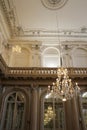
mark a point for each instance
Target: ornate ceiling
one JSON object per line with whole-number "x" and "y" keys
{"x": 30, "y": 19}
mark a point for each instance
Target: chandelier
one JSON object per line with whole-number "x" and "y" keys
{"x": 48, "y": 115}
{"x": 63, "y": 87}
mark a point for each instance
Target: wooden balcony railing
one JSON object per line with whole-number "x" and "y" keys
{"x": 39, "y": 71}
{"x": 48, "y": 72}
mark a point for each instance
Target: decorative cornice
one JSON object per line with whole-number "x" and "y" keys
{"x": 55, "y": 33}
{"x": 4, "y": 30}
{"x": 10, "y": 15}
{"x": 41, "y": 34}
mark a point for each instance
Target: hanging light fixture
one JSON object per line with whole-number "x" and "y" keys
{"x": 63, "y": 88}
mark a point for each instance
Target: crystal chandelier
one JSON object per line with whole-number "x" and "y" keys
{"x": 48, "y": 115}
{"x": 63, "y": 88}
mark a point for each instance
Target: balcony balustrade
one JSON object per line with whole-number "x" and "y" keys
{"x": 39, "y": 71}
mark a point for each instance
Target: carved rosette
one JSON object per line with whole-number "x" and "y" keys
{"x": 54, "y": 4}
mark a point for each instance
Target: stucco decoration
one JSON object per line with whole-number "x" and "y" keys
{"x": 54, "y": 4}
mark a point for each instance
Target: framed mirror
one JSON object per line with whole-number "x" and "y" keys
{"x": 84, "y": 107}
{"x": 52, "y": 113}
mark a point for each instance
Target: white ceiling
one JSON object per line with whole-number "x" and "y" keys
{"x": 32, "y": 17}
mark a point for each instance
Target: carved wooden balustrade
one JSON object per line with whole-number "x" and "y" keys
{"x": 38, "y": 71}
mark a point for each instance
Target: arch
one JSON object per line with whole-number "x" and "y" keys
{"x": 22, "y": 59}
{"x": 51, "y": 57}
{"x": 54, "y": 48}
{"x": 79, "y": 57}
{"x": 9, "y": 90}
{"x": 57, "y": 110}
{"x": 79, "y": 47}
{"x": 84, "y": 95}
{"x": 19, "y": 106}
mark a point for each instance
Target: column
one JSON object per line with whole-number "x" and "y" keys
{"x": 36, "y": 56}
{"x": 42, "y": 113}
{"x": 68, "y": 115}
{"x": 38, "y": 108}
{"x": 78, "y": 121}
{"x": 33, "y": 120}
{"x": 81, "y": 118}
{"x": 75, "y": 114}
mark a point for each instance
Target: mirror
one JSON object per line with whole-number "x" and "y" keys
{"x": 53, "y": 113}
{"x": 84, "y": 107}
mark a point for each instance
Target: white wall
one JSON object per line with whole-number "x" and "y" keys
{"x": 45, "y": 56}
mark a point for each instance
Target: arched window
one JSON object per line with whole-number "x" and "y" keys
{"x": 80, "y": 57}
{"x": 51, "y": 57}
{"x": 13, "y": 112}
{"x": 20, "y": 59}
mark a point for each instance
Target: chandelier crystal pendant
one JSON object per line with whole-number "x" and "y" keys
{"x": 63, "y": 87}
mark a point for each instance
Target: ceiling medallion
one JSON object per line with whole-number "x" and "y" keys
{"x": 54, "y": 4}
